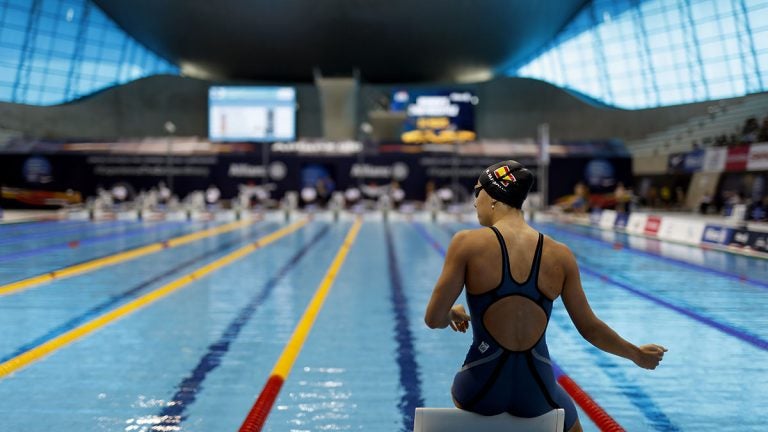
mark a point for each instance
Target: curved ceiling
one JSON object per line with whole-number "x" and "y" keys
{"x": 384, "y": 40}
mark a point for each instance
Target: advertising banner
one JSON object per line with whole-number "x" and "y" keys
{"x": 757, "y": 160}
{"x": 758, "y": 241}
{"x": 740, "y": 238}
{"x": 686, "y": 162}
{"x": 715, "y": 234}
{"x": 285, "y": 168}
{"x": 754, "y": 240}
{"x": 595, "y": 216}
{"x": 676, "y": 162}
{"x": 636, "y": 223}
{"x": 607, "y": 219}
{"x": 621, "y": 221}
{"x": 714, "y": 159}
{"x": 652, "y": 225}
{"x": 737, "y": 158}
{"x": 681, "y": 230}
{"x": 694, "y": 161}
{"x": 231, "y": 172}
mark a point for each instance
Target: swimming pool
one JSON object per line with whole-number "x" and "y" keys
{"x": 196, "y": 356}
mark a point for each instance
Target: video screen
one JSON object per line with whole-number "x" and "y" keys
{"x": 237, "y": 113}
{"x": 438, "y": 116}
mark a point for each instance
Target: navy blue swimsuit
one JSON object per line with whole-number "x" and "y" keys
{"x": 494, "y": 379}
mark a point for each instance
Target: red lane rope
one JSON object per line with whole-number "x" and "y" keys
{"x": 260, "y": 410}
{"x": 602, "y": 419}
{"x": 263, "y": 405}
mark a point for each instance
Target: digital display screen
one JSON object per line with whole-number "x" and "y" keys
{"x": 436, "y": 115}
{"x": 237, "y": 113}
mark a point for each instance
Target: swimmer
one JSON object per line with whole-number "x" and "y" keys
{"x": 513, "y": 274}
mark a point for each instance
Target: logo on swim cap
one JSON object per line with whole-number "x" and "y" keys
{"x": 498, "y": 181}
{"x": 502, "y": 173}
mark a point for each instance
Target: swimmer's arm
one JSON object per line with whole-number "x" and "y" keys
{"x": 449, "y": 286}
{"x": 591, "y": 328}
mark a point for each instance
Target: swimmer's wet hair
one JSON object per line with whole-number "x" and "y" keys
{"x": 507, "y": 181}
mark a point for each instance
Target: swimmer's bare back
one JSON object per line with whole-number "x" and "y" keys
{"x": 516, "y": 322}
{"x": 473, "y": 260}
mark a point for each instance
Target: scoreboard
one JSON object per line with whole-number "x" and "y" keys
{"x": 237, "y": 113}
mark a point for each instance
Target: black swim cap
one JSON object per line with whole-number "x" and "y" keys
{"x": 507, "y": 181}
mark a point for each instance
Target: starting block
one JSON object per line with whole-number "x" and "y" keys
{"x": 456, "y": 420}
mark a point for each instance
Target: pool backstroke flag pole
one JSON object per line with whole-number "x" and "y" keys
{"x": 258, "y": 415}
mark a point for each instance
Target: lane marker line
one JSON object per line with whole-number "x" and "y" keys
{"x": 257, "y": 416}
{"x": 49, "y": 347}
{"x": 666, "y": 259}
{"x": 173, "y": 413}
{"x": 406, "y": 358}
{"x": 717, "y": 325}
{"x": 95, "y": 264}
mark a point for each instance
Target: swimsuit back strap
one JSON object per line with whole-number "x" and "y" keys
{"x": 504, "y": 254}
{"x": 537, "y": 260}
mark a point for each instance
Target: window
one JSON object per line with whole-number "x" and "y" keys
{"x": 654, "y": 55}
{"x": 72, "y": 49}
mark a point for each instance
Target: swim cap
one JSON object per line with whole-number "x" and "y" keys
{"x": 507, "y": 181}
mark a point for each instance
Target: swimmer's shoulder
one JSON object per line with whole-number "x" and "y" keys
{"x": 473, "y": 239}
{"x": 558, "y": 251}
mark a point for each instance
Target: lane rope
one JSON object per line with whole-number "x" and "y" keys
{"x": 257, "y": 416}
{"x": 95, "y": 264}
{"x": 67, "y": 338}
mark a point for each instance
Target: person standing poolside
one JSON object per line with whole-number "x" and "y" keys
{"x": 513, "y": 274}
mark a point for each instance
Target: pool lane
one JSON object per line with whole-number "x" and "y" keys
{"x": 119, "y": 257}
{"x": 347, "y": 376}
{"x": 160, "y": 345}
{"x": 66, "y": 244}
{"x": 729, "y": 304}
{"x": 134, "y": 291}
{"x": 59, "y": 231}
{"x": 38, "y": 228}
{"x": 66, "y": 257}
{"x": 61, "y": 305}
{"x": 174, "y": 413}
{"x": 739, "y": 268}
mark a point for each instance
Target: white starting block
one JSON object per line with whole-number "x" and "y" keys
{"x": 456, "y": 420}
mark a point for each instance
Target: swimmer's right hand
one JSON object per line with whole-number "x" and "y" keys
{"x": 459, "y": 319}
{"x": 649, "y": 356}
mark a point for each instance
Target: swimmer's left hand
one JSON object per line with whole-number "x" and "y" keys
{"x": 459, "y": 319}
{"x": 649, "y": 356}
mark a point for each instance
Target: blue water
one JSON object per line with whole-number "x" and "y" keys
{"x": 197, "y": 359}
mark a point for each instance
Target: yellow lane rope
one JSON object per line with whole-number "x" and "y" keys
{"x": 42, "y": 350}
{"x": 98, "y": 263}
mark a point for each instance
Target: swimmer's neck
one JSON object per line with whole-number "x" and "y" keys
{"x": 508, "y": 216}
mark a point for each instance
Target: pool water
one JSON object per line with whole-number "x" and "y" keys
{"x": 197, "y": 359}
